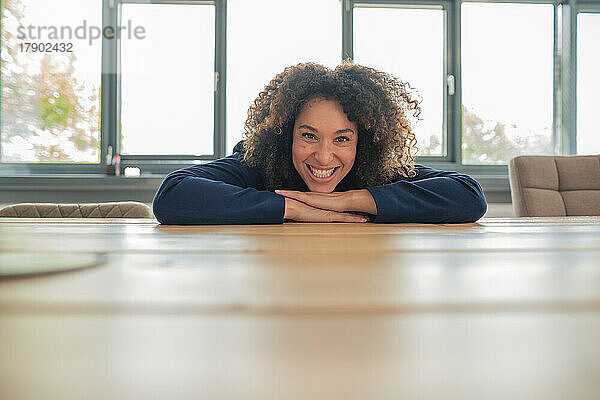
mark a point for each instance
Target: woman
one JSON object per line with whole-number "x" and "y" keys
{"x": 322, "y": 146}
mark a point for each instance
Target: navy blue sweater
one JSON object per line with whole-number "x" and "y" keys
{"x": 227, "y": 191}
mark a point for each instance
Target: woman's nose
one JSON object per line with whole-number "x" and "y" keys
{"x": 324, "y": 154}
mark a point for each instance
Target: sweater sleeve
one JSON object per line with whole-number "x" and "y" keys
{"x": 432, "y": 196}
{"x": 220, "y": 192}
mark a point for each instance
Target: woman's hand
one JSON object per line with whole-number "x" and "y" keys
{"x": 301, "y": 212}
{"x": 352, "y": 200}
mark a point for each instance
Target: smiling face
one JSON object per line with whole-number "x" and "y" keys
{"x": 324, "y": 144}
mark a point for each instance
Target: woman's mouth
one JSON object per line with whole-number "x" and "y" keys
{"x": 321, "y": 175}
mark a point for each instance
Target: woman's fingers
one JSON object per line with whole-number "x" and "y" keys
{"x": 306, "y": 213}
{"x": 342, "y": 217}
{"x": 292, "y": 194}
{"x": 325, "y": 201}
{"x": 331, "y": 216}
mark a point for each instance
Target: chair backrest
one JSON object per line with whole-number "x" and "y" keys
{"x": 544, "y": 186}
{"x": 123, "y": 209}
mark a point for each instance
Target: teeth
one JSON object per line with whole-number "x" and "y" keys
{"x": 321, "y": 173}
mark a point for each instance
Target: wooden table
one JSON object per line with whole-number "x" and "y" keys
{"x": 500, "y": 309}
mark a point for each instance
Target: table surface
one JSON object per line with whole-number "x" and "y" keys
{"x": 502, "y": 308}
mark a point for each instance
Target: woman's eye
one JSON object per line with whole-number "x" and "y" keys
{"x": 342, "y": 139}
{"x": 308, "y": 135}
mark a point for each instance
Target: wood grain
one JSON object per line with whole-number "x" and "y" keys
{"x": 504, "y": 308}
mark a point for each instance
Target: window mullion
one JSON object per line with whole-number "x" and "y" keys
{"x": 347, "y": 29}
{"x": 220, "y": 127}
{"x": 454, "y": 102}
{"x": 568, "y": 84}
{"x": 109, "y": 82}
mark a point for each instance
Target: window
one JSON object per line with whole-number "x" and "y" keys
{"x": 408, "y": 41}
{"x": 507, "y": 81}
{"x": 264, "y": 37}
{"x": 495, "y": 79}
{"x": 588, "y": 83}
{"x": 50, "y": 80}
{"x": 167, "y": 80}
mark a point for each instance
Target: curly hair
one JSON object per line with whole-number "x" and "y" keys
{"x": 376, "y": 101}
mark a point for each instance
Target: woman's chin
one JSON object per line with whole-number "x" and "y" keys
{"x": 321, "y": 188}
{"x": 317, "y": 190}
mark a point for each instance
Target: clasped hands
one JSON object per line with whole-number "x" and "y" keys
{"x": 328, "y": 207}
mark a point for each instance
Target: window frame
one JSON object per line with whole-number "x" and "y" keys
{"x": 453, "y": 104}
{"x": 156, "y": 163}
{"x": 450, "y": 63}
{"x": 109, "y": 107}
{"x": 26, "y": 169}
{"x": 560, "y": 67}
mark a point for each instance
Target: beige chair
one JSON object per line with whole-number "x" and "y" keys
{"x": 124, "y": 209}
{"x": 543, "y": 186}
